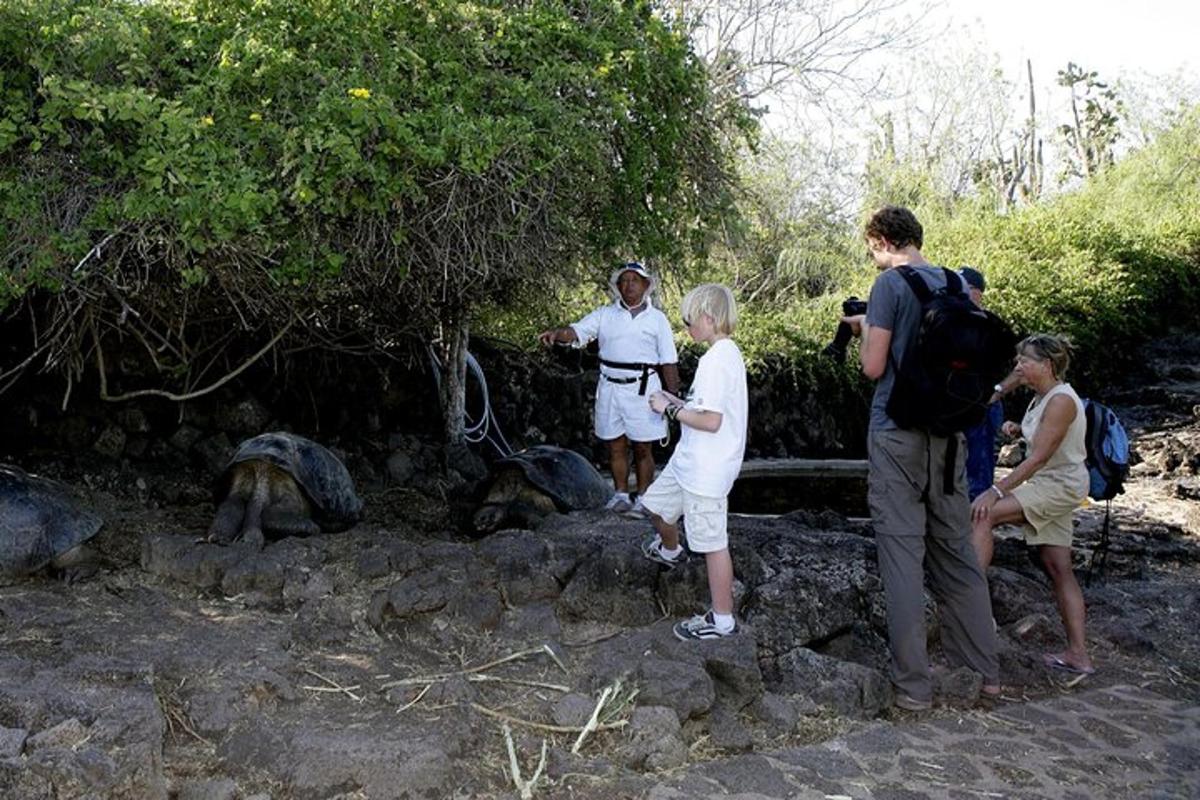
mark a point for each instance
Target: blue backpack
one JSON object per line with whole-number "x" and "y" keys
{"x": 1107, "y": 448}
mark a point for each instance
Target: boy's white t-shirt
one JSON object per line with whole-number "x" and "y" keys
{"x": 708, "y": 463}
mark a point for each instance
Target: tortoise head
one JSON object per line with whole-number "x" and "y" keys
{"x": 489, "y": 517}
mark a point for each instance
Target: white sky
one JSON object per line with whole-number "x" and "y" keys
{"x": 1152, "y": 45}
{"x": 1115, "y": 37}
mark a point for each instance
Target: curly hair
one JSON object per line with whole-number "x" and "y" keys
{"x": 897, "y": 225}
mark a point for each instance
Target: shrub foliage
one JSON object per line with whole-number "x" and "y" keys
{"x": 204, "y": 176}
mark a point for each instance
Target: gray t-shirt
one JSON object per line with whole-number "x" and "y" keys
{"x": 892, "y": 305}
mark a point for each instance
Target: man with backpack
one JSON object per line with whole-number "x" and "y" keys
{"x": 916, "y": 473}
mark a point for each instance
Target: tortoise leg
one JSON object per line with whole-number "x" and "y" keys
{"x": 228, "y": 522}
{"x": 77, "y": 564}
{"x": 252, "y": 532}
{"x": 281, "y": 522}
{"x": 525, "y": 514}
{"x": 287, "y": 513}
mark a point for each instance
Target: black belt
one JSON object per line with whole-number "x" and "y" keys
{"x": 641, "y": 381}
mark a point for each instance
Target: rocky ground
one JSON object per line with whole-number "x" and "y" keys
{"x": 404, "y": 659}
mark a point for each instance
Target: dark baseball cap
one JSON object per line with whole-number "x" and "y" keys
{"x": 973, "y": 277}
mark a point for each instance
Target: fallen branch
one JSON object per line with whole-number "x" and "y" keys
{"x": 517, "y": 681}
{"x": 168, "y": 704}
{"x": 442, "y": 676}
{"x": 610, "y": 704}
{"x": 602, "y": 638}
{"x": 330, "y": 689}
{"x": 541, "y": 726}
{"x": 1078, "y": 679}
{"x": 594, "y": 719}
{"x": 337, "y": 687}
{"x": 524, "y": 788}
{"x": 414, "y": 701}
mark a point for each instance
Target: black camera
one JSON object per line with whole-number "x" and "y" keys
{"x": 836, "y": 349}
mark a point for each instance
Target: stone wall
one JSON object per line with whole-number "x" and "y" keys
{"x": 371, "y": 411}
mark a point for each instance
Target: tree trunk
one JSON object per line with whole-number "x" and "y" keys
{"x": 1035, "y": 172}
{"x": 452, "y": 353}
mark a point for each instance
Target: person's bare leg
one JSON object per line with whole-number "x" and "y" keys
{"x": 719, "y": 566}
{"x": 666, "y": 531}
{"x": 618, "y": 463}
{"x": 643, "y": 461}
{"x": 1005, "y": 512}
{"x": 1069, "y": 597}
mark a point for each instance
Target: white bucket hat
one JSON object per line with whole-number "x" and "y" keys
{"x": 632, "y": 266}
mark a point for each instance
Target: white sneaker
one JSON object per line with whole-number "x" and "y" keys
{"x": 619, "y": 503}
{"x": 701, "y": 626}
{"x": 636, "y": 511}
{"x": 652, "y": 549}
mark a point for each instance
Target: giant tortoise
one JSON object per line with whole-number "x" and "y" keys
{"x": 42, "y": 526}
{"x": 280, "y": 484}
{"x": 528, "y": 485}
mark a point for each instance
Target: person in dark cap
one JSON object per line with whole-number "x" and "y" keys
{"x": 976, "y": 284}
{"x": 637, "y": 359}
{"x": 981, "y": 439}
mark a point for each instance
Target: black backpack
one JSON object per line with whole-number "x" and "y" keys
{"x": 949, "y": 372}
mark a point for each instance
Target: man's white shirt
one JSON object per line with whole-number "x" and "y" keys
{"x": 644, "y": 339}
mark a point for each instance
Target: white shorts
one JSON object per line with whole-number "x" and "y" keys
{"x": 707, "y": 517}
{"x": 621, "y": 411}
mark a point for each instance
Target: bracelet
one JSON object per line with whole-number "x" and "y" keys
{"x": 672, "y": 412}
{"x": 999, "y": 494}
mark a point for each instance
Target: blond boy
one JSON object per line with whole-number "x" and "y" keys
{"x": 696, "y": 481}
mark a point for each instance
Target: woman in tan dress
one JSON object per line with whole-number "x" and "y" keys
{"x": 1041, "y": 493}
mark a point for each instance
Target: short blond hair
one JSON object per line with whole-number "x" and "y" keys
{"x": 716, "y": 301}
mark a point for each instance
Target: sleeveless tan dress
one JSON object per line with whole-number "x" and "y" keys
{"x": 1053, "y": 492}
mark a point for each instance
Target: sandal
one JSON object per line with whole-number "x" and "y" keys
{"x": 1057, "y": 662}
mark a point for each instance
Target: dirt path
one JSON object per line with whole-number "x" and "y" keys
{"x": 1118, "y": 742}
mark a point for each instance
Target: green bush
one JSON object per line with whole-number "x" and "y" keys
{"x": 1108, "y": 265}
{"x": 364, "y": 170}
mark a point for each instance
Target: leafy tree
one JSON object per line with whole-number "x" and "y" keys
{"x": 212, "y": 180}
{"x": 792, "y": 241}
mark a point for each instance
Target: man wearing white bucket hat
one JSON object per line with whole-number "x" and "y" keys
{"x": 637, "y": 359}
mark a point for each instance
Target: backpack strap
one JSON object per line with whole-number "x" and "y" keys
{"x": 950, "y": 463}
{"x": 954, "y": 283}
{"x": 923, "y": 293}
{"x": 1100, "y": 553}
{"x": 919, "y": 287}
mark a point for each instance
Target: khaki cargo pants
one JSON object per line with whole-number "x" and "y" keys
{"x": 917, "y": 528}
